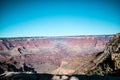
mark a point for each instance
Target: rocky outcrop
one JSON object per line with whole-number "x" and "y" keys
{"x": 109, "y": 58}
{"x": 33, "y": 76}
{"x": 10, "y": 64}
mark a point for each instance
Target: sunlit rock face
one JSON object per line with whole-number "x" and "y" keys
{"x": 48, "y": 54}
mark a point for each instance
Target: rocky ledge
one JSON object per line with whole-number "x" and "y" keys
{"x": 33, "y": 76}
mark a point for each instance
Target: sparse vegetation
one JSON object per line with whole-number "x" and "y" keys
{"x": 102, "y": 70}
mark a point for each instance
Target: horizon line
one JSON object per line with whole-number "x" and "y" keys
{"x": 58, "y": 36}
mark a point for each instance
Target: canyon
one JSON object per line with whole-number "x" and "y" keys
{"x": 54, "y": 55}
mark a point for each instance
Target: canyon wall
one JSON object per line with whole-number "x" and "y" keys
{"x": 47, "y": 54}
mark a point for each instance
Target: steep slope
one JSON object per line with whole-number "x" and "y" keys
{"x": 109, "y": 60}
{"x": 102, "y": 63}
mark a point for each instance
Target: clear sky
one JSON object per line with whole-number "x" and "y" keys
{"x": 21, "y": 18}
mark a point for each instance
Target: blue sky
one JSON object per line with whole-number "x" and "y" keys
{"x": 21, "y": 18}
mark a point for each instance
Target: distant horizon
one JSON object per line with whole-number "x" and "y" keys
{"x": 58, "y": 36}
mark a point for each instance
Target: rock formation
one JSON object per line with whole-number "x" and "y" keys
{"x": 33, "y": 76}
{"x": 63, "y": 64}
{"x": 109, "y": 58}
{"x": 46, "y": 54}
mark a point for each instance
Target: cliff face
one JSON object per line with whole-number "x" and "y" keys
{"x": 47, "y": 55}
{"x": 16, "y": 46}
{"x": 106, "y": 62}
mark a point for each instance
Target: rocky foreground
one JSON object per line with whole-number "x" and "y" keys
{"x": 33, "y": 76}
{"x": 71, "y": 58}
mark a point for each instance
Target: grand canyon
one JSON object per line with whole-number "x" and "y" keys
{"x": 55, "y": 55}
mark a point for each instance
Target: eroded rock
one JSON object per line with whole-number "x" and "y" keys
{"x": 109, "y": 60}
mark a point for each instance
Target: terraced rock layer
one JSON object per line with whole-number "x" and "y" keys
{"x": 49, "y": 54}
